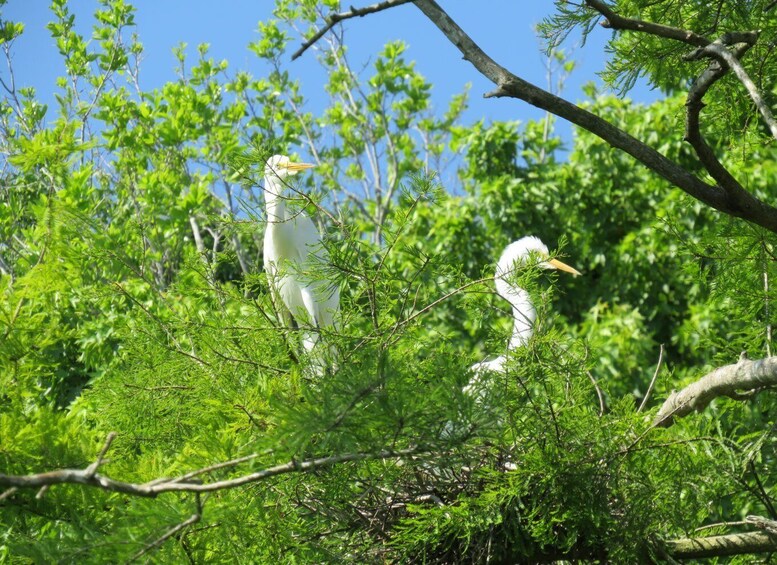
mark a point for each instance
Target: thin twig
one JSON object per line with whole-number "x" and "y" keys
{"x": 764, "y": 496}
{"x": 334, "y": 19}
{"x": 193, "y": 519}
{"x": 720, "y": 525}
{"x": 767, "y": 312}
{"x": 250, "y": 416}
{"x": 158, "y": 388}
{"x": 8, "y": 492}
{"x": 598, "y": 392}
{"x": 92, "y": 469}
{"x": 653, "y": 380}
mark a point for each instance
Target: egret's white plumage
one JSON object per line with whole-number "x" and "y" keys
{"x": 524, "y": 314}
{"x": 292, "y": 249}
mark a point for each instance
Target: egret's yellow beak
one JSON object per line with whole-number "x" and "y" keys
{"x": 563, "y": 267}
{"x": 294, "y": 167}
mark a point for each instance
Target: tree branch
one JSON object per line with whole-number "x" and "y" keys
{"x": 719, "y": 51}
{"x": 193, "y": 519}
{"x": 616, "y": 21}
{"x": 185, "y": 483}
{"x": 723, "y": 59}
{"x": 762, "y": 523}
{"x": 91, "y": 470}
{"x": 745, "y": 375}
{"x": 653, "y": 380}
{"x": 333, "y": 19}
{"x": 745, "y": 205}
{"x": 706, "y": 155}
{"x": 720, "y": 546}
{"x": 508, "y": 84}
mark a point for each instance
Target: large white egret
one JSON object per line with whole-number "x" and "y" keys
{"x": 292, "y": 249}
{"x": 513, "y": 257}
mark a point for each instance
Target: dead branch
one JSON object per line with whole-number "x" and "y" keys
{"x": 730, "y": 380}
{"x": 185, "y": 483}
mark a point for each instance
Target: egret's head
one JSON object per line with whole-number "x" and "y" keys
{"x": 518, "y": 252}
{"x": 281, "y": 167}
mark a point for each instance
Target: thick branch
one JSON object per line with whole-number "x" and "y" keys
{"x": 694, "y": 105}
{"x": 334, "y": 19}
{"x": 749, "y": 208}
{"x": 184, "y": 484}
{"x": 720, "y": 546}
{"x": 730, "y": 381}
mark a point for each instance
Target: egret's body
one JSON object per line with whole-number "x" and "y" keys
{"x": 524, "y": 313}
{"x": 292, "y": 249}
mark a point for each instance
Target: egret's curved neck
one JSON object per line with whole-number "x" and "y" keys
{"x": 524, "y": 313}
{"x": 276, "y": 207}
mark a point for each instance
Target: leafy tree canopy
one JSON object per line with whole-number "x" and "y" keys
{"x": 141, "y": 349}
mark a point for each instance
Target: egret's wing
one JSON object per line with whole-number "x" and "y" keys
{"x": 321, "y": 296}
{"x": 307, "y": 240}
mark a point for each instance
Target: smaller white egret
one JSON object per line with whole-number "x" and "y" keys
{"x": 292, "y": 248}
{"x": 524, "y": 313}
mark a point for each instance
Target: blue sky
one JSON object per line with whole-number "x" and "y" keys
{"x": 505, "y": 30}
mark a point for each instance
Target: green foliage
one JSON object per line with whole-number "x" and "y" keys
{"x": 132, "y": 301}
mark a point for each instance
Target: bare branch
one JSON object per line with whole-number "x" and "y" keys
{"x": 8, "y": 493}
{"x": 184, "y": 483}
{"x": 745, "y": 375}
{"x": 739, "y": 203}
{"x": 720, "y": 525}
{"x": 334, "y": 19}
{"x": 718, "y": 51}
